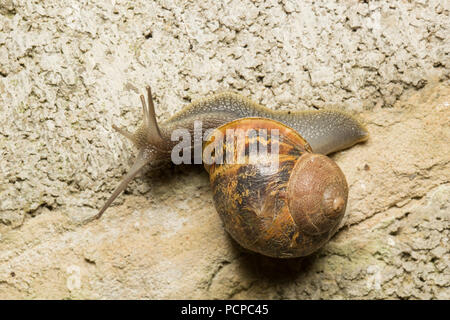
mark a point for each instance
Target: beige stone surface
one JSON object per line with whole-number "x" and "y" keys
{"x": 70, "y": 69}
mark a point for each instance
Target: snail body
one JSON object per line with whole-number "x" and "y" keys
{"x": 298, "y": 207}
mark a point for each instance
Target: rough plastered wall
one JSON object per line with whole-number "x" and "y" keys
{"x": 70, "y": 69}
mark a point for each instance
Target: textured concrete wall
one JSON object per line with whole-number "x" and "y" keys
{"x": 70, "y": 69}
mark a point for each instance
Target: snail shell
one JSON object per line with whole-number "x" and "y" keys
{"x": 290, "y": 212}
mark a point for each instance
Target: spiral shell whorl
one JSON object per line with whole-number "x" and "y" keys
{"x": 317, "y": 194}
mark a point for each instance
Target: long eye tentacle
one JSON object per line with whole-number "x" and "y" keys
{"x": 142, "y": 159}
{"x": 152, "y": 137}
{"x": 150, "y": 122}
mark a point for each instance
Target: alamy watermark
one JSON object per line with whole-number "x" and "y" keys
{"x": 237, "y": 146}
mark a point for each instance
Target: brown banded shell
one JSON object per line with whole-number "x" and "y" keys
{"x": 289, "y": 212}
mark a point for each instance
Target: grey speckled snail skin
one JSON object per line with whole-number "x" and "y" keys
{"x": 308, "y": 220}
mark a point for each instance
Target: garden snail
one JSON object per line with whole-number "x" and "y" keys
{"x": 288, "y": 213}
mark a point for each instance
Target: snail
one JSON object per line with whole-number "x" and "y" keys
{"x": 291, "y": 212}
